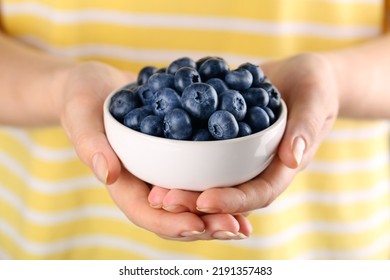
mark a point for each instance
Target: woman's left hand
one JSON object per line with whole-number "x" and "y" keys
{"x": 309, "y": 88}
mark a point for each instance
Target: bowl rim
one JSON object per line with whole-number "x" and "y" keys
{"x": 282, "y": 117}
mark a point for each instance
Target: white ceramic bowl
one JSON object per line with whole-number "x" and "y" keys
{"x": 190, "y": 165}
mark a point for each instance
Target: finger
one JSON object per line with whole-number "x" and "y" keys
{"x": 181, "y": 200}
{"x": 254, "y": 194}
{"x": 173, "y": 200}
{"x": 226, "y": 227}
{"x": 220, "y": 226}
{"x": 131, "y": 196}
{"x": 156, "y": 196}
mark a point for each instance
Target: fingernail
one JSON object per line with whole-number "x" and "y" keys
{"x": 224, "y": 235}
{"x": 208, "y": 210}
{"x": 299, "y": 147}
{"x": 100, "y": 167}
{"x": 156, "y": 206}
{"x": 172, "y": 208}
{"x": 192, "y": 233}
{"x": 241, "y": 236}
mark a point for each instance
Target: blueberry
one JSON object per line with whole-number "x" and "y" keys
{"x": 244, "y": 129}
{"x": 271, "y": 115}
{"x": 266, "y": 85}
{"x": 239, "y": 79}
{"x": 145, "y": 73}
{"x": 184, "y": 77}
{"x": 223, "y": 125}
{"x": 213, "y": 68}
{"x": 177, "y": 125}
{"x": 255, "y": 97}
{"x": 218, "y": 84}
{"x": 134, "y": 118}
{"x": 275, "y": 100}
{"x": 201, "y": 135}
{"x": 152, "y": 125}
{"x": 162, "y": 70}
{"x": 232, "y": 101}
{"x": 166, "y": 100}
{"x": 145, "y": 94}
{"x": 161, "y": 80}
{"x": 179, "y": 63}
{"x": 257, "y": 118}
{"x": 200, "y": 61}
{"x": 123, "y": 102}
{"x": 131, "y": 86}
{"x": 200, "y": 100}
{"x": 256, "y": 71}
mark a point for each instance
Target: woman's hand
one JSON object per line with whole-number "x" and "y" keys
{"x": 81, "y": 106}
{"x": 308, "y": 86}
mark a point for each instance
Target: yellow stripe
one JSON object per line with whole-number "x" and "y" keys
{"x": 95, "y": 195}
{"x": 49, "y": 137}
{"x": 316, "y": 212}
{"x": 348, "y": 213}
{"x": 284, "y": 10}
{"x": 351, "y": 181}
{"x": 341, "y": 124}
{"x": 76, "y": 253}
{"x": 336, "y": 151}
{"x": 171, "y": 39}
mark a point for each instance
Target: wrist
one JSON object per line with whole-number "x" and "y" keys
{"x": 336, "y": 64}
{"x": 58, "y": 76}
{"x": 361, "y": 76}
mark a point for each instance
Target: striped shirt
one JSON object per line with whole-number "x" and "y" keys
{"x": 52, "y": 206}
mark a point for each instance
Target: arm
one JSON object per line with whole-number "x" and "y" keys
{"x": 362, "y": 75}
{"x": 30, "y": 81}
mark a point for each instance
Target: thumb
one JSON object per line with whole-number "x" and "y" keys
{"x": 308, "y": 119}
{"x": 307, "y": 124}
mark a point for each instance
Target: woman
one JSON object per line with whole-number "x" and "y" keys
{"x": 52, "y": 206}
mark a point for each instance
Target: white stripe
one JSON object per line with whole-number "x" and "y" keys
{"x": 299, "y": 230}
{"x": 360, "y": 133}
{"x": 175, "y": 21}
{"x": 92, "y": 241}
{"x": 362, "y": 253}
{"x": 55, "y": 218}
{"x": 48, "y": 187}
{"x": 39, "y": 151}
{"x": 364, "y": 165}
{"x": 146, "y": 56}
{"x": 4, "y": 255}
{"x": 344, "y": 198}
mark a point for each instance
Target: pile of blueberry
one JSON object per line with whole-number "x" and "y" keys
{"x": 198, "y": 100}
